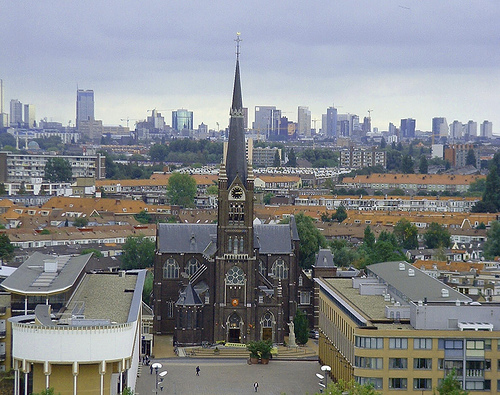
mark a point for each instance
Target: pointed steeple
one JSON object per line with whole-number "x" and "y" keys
{"x": 236, "y": 163}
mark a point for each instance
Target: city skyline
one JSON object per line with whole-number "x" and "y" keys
{"x": 403, "y": 59}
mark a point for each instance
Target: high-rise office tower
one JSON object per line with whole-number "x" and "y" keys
{"x": 267, "y": 121}
{"x": 471, "y": 129}
{"x": 487, "y": 129}
{"x": 304, "y": 121}
{"x": 439, "y": 128}
{"x": 331, "y": 122}
{"x": 407, "y": 128}
{"x": 367, "y": 125}
{"x": 16, "y": 113}
{"x": 182, "y": 119}
{"x": 29, "y": 116}
{"x": 84, "y": 106}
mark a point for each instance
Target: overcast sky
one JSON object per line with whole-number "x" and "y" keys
{"x": 401, "y": 59}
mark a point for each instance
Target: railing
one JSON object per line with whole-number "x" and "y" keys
{"x": 474, "y": 373}
{"x": 2, "y": 357}
{"x": 2, "y": 333}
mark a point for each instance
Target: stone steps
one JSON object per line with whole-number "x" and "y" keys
{"x": 223, "y": 352}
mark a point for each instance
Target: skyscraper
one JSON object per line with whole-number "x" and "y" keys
{"x": 487, "y": 129}
{"x": 439, "y": 128}
{"x": 471, "y": 129}
{"x": 29, "y": 116}
{"x": 16, "y": 113}
{"x": 456, "y": 130}
{"x": 407, "y": 128}
{"x": 182, "y": 119}
{"x": 84, "y": 106}
{"x": 4, "y": 119}
{"x": 267, "y": 121}
{"x": 331, "y": 122}
{"x": 304, "y": 121}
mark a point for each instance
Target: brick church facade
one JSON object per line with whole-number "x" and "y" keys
{"x": 236, "y": 280}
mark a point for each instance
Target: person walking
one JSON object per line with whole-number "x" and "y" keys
{"x": 256, "y": 386}
{"x": 197, "y": 370}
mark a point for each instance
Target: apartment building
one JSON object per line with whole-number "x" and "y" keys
{"x": 404, "y": 331}
{"x": 17, "y": 167}
{"x": 357, "y": 158}
{"x": 412, "y": 183}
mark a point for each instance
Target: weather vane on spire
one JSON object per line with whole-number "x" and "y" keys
{"x": 238, "y": 40}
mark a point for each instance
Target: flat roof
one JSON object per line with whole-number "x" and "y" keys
{"x": 31, "y": 278}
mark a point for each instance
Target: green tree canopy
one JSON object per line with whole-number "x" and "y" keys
{"x": 277, "y": 159}
{"x": 407, "y": 164}
{"x": 144, "y": 217}
{"x": 147, "y": 290}
{"x": 97, "y": 253}
{"x": 340, "y": 215}
{"x": 342, "y": 387}
{"x": 491, "y": 196}
{"x": 49, "y": 391}
{"x": 292, "y": 159}
{"x": 423, "y": 167}
{"x": 301, "y": 327}
{"x": 80, "y": 222}
{"x": 471, "y": 158}
{"x": 181, "y": 190}
{"x": 406, "y": 234}
{"x": 492, "y": 245}
{"x": 450, "y": 385}
{"x": 58, "y": 170}
{"x": 138, "y": 253}
{"x": 437, "y": 236}
{"x": 6, "y": 248}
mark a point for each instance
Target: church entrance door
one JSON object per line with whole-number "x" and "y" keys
{"x": 234, "y": 336}
{"x": 267, "y": 333}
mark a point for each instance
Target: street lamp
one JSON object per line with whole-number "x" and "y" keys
{"x": 326, "y": 369}
{"x": 157, "y": 366}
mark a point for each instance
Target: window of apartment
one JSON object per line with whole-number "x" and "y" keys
{"x": 398, "y": 383}
{"x": 453, "y": 344}
{"x": 475, "y": 344}
{"x": 375, "y": 381}
{"x": 487, "y": 344}
{"x": 422, "y": 344}
{"x": 398, "y": 363}
{"x": 398, "y": 343}
{"x": 449, "y": 366}
{"x": 422, "y": 384}
{"x": 368, "y": 363}
{"x": 369, "y": 342}
{"x": 478, "y": 385}
{"x": 422, "y": 363}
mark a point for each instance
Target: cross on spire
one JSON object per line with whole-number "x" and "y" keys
{"x": 238, "y": 40}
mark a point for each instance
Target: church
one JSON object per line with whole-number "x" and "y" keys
{"x": 237, "y": 280}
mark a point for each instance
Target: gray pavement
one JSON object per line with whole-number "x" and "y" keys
{"x": 235, "y": 376}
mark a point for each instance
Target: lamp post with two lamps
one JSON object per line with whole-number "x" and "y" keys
{"x": 326, "y": 369}
{"x": 158, "y": 376}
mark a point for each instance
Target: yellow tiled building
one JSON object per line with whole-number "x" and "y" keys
{"x": 403, "y": 331}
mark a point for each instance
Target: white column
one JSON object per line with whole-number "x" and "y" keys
{"x": 26, "y": 305}
{"x": 26, "y": 383}
{"x": 102, "y": 372}
{"x": 16, "y": 381}
{"x": 46, "y": 371}
{"x": 75, "y": 375}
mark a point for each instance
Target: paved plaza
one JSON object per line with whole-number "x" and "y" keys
{"x": 231, "y": 376}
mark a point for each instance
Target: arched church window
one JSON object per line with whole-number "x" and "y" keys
{"x": 230, "y": 244}
{"x": 267, "y": 320}
{"x": 235, "y": 276}
{"x": 192, "y": 266}
{"x": 301, "y": 281}
{"x": 171, "y": 269}
{"x": 279, "y": 269}
{"x": 262, "y": 268}
{"x": 241, "y": 245}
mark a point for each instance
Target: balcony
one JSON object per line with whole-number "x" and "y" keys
{"x": 2, "y": 357}
{"x": 2, "y": 333}
{"x": 474, "y": 373}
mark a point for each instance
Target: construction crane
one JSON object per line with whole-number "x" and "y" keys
{"x": 370, "y": 114}
{"x": 128, "y": 119}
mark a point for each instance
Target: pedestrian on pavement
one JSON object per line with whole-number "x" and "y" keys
{"x": 197, "y": 370}
{"x": 256, "y": 386}
{"x": 151, "y": 369}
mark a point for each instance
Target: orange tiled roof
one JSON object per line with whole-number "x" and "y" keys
{"x": 434, "y": 179}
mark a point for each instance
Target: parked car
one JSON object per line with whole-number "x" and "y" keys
{"x": 314, "y": 334}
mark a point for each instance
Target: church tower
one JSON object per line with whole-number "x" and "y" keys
{"x": 235, "y": 261}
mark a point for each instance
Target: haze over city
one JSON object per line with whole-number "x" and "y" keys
{"x": 405, "y": 58}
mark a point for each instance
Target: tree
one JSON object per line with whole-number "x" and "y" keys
{"x": 437, "y": 236}
{"x": 383, "y": 144}
{"x": 471, "y": 158}
{"x": 181, "y": 189}
{"x": 128, "y": 391}
{"x": 213, "y": 190}
{"x": 311, "y": 240}
{"x": 491, "y": 246}
{"x": 3, "y": 191}
{"x": 148, "y": 287}
{"x": 342, "y": 387}
{"x": 340, "y": 215}
{"x": 267, "y": 197}
{"x": 301, "y": 327}
{"x": 158, "y": 152}
{"x": 450, "y": 385}
{"x": 49, "y": 391}
{"x": 277, "y": 159}
{"x": 80, "y": 222}
{"x": 423, "y": 167}
{"x": 406, "y": 234}
{"x": 292, "y": 159}
{"x": 6, "y": 248}
{"x": 491, "y": 196}
{"x": 144, "y": 217}
{"x": 58, "y": 170}
{"x": 97, "y": 253}
{"x": 138, "y": 253}
{"x": 369, "y": 238}
{"x": 407, "y": 164}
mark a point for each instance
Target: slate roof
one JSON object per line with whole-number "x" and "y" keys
{"x": 184, "y": 238}
{"x": 189, "y": 297}
{"x": 324, "y": 258}
{"x": 273, "y": 239}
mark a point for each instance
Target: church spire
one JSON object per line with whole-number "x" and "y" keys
{"x": 236, "y": 163}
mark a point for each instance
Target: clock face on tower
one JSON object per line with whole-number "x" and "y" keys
{"x": 237, "y": 193}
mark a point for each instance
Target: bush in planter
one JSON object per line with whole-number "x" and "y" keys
{"x": 260, "y": 349}
{"x": 254, "y": 350}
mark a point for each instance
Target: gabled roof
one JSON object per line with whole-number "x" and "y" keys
{"x": 273, "y": 239}
{"x": 185, "y": 238}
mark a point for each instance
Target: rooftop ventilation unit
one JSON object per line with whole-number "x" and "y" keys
{"x": 445, "y": 293}
{"x": 401, "y": 266}
{"x": 411, "y": 272}
{"x": 50, "y": 265}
